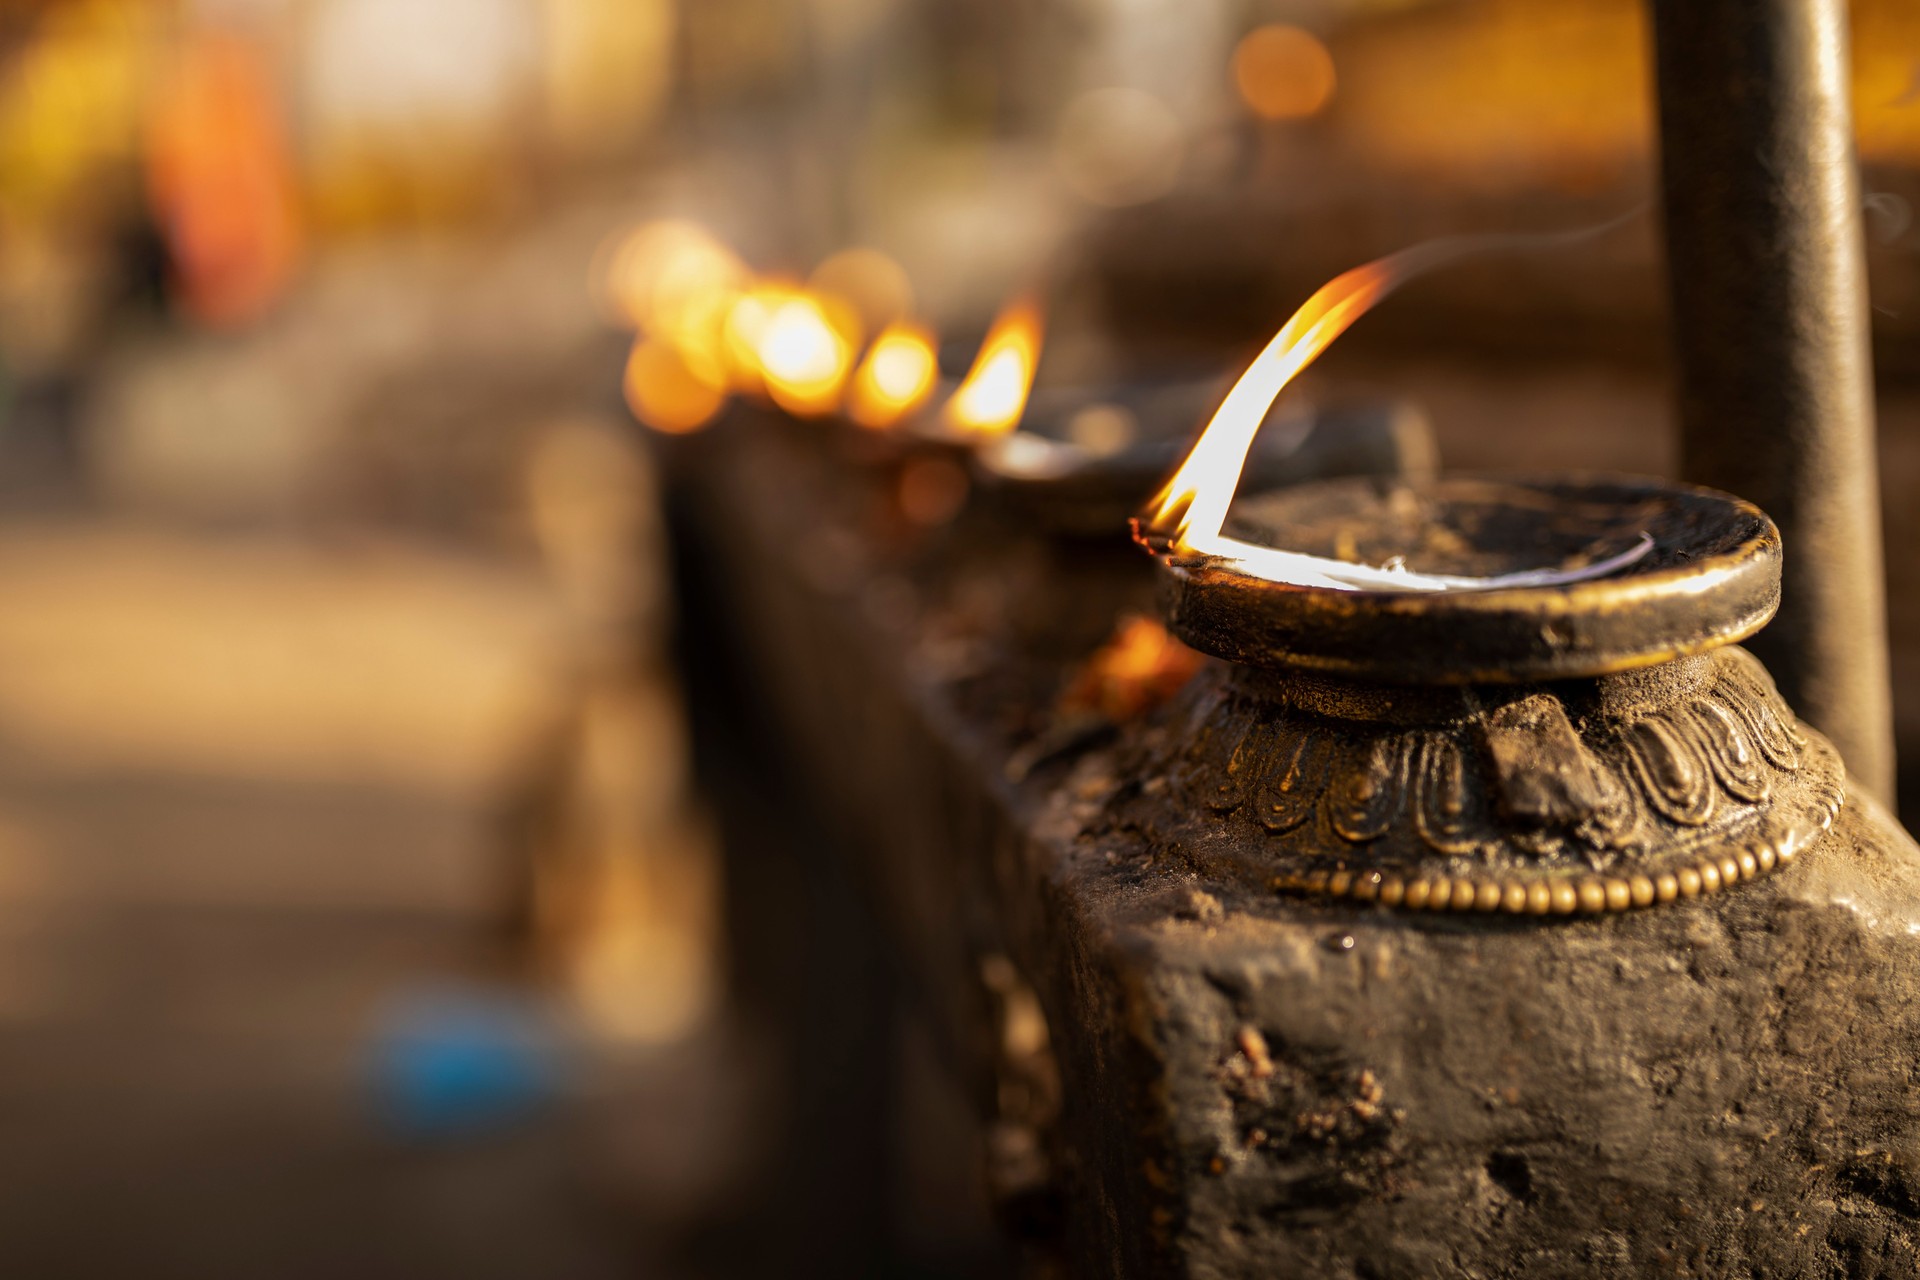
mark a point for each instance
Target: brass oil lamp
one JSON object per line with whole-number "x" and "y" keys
{"x": 1473, "y": 694}
{"x": 1580, "y": 745}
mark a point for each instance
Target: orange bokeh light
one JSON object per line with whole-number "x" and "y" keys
{"x": 895, "y": 378}
{"x": 669, "y": 392}
{"x": 1282, "y": 72}
{"x": 803, "y": 356}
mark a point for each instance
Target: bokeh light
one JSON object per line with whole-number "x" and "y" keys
{"x": 221, "y": 178}
{"x": 895, "y": 378}
{"x": 1282, "y": 72}
{"x": 803, "y": 357}
{"x": 933, "y": 490}
{"x": 673, "y": 275}
{"x": 667, "y": 391}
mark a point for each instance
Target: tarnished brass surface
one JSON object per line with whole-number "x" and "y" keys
{"x": 1712, "y": 578}
{"x": 1542, "y": 750}
{"x": 1579, "y": 796}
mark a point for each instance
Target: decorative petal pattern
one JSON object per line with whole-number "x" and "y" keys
{"x": 1369, "y": 789}
{"x": 1525, "y": 805}
{"x": 1729, "y": 750}
{"x": 1759, "y": 707}
{"x": 1293, "y": 787}
{"x": 1670, "y": 772}
{"x": 1441, "y": 796}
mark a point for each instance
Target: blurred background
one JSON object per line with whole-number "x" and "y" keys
{"x": 357, "y": 914}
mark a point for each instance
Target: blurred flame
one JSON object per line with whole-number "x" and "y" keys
{"x": 1138, "y": 668}
{"x": 897, "y": 374}
{"x": 803, "y": 356}
{"x": 708, "y": 327}
{"x": 1192, "y": 508}
{"x": 991, "y": 399}
{"x": 670, "y": 392}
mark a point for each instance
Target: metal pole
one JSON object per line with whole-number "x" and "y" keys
{"x": 1770, "y": 328}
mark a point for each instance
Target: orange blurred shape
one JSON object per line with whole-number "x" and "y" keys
{"x": 668, "y": 391}
{"x": 1282, "y": 72}
{"x": 221, "y": 181}
{"x": 896, "y": 376}
{"x": 746, "y": 320}
{"x": 994, "y": 394}
{"x": 675, "y": 277}
{"x": 804, "y": 356}
{"x": 1138, "y": 668}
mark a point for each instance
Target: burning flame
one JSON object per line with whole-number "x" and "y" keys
{"x": 1192, "y": 508}
{"x": 991, "y": 399}
{"x": 895, "y": 377}
{"x": 1197, "y": 497}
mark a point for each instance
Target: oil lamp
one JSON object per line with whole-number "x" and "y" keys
{"x": 1579, "y": 744}
{"x": 1518, "y": 695}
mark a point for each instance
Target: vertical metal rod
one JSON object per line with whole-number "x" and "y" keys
{"x": 1769, "y": 309}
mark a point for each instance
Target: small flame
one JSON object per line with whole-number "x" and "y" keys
{"x": 1138, "y": 668}
{"x": 994, "y": 394}
{"x": 1195, "y": 501}
{"x": 895, "y": 377}
{"x": 803, "y": 356}
{"x": 1192, "y": 508}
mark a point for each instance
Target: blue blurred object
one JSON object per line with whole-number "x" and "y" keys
{"x": 462, "y": 1062}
